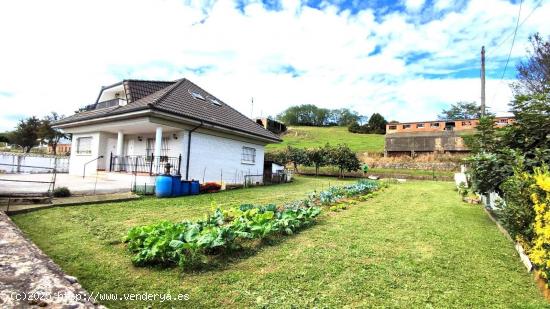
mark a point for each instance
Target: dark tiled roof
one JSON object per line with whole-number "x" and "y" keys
{"x": 176, "y": 99}
{"x": 137, "y": 89}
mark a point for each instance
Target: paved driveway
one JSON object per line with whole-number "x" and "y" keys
{"x": 76, "y": 184}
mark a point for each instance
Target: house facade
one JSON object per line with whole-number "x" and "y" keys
{"x": 140, "y": 127}
{"x": 442, "y": 125}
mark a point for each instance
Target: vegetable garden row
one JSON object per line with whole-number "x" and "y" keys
{"x": 188, "y": 243}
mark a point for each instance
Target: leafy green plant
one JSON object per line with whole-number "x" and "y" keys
{"x": 188, "y": 243}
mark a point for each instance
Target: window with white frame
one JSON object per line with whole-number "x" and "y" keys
{"x": 84, "y": 145}
{"x": 248, "y": 155}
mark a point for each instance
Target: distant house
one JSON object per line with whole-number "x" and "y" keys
{"x": 413, "y": 138}
{"x": 272, "y": 125}
{"x": 61, "y": 149}
{"x": 442, "y": 125}
{"x": 140, "y": 127}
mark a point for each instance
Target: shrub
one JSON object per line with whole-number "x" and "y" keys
{"x": 210, "y": 187}
{"x": 540, "y": 252}
{"x": 61, "y": 192}
{"x": 517, "y": 213}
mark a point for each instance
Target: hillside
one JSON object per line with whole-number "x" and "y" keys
{"x": 304, "y": 137}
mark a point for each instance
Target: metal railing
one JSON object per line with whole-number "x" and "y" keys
{"x": 144, "y": 164}
{"x": 30, "y": 194}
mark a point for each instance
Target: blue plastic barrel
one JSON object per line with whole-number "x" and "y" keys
{"x": 195, "y": 187}
{"x": 176, "y": 185}
{"x": 163, "y": 186}
{"x": 185, "y": 187}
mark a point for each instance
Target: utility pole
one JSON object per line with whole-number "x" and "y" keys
{"x": 482, "y": 80}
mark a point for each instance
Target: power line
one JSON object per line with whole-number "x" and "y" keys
{"x": 520, "y": 24}
{"x": 512, "y": 46}
{"x": 513, "y": 41}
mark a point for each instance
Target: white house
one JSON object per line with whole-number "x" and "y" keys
{"x": 137, "y": 127}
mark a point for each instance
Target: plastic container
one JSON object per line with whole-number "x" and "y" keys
{"x": 163, "y": 186}
{"x": 185, "y": 187}
{"x": 176, "y": 185}
{"x": 195, "y": 187}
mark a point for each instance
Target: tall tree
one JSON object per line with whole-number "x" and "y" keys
{"x": 4, "y": 137}
{"x": 534, "y": 72}
{"x": 48, "y": 134}
{"x": 26, "y": 134}
{"x": 377, "y": 124}
{"x": 461, "y": 110}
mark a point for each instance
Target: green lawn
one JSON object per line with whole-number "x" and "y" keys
{"x": 415, "y": 245}
{"x": 304, "y": 137}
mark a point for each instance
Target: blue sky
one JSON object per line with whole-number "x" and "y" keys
{"x": 405, "y": 59}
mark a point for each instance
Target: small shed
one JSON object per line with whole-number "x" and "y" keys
{"x": 274, "y": 172}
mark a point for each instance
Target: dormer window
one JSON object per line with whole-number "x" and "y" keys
{"x": 214, "y": 101}
{"x": 197, "y": 95}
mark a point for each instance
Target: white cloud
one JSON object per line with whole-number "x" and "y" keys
{"x": 414, "y": 5}
{"x": 57, "y": 55}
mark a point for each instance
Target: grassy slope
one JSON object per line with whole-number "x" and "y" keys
{"x": 414, "y": 245}
{"x": 304, "y": 137}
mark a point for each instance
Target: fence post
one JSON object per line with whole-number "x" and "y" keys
{"x": 179, "y": 164}
{"x": 151, "y": 165}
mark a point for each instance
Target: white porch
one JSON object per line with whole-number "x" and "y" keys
{"x": 143, "y": 146}
{"x": 139, "y": 146}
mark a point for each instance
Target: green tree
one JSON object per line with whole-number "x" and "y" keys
{"x": 305, "y": 115}
{"x": 485, "y": 139}
{"x": 529, "y": 134}
{"x": 26, "y": 134}
{"x": 4, "y": 137}
{"x": 297, "y": 156}
{"x": 318, "y": 157}
{"x": 279, "y": 156}
{"x": 344, "y": 158}
{"x": 48, "y": 134}
{"x": 461, "y": 110}
{"x": 344, "y": 117}
{"x": 377, "y": 124}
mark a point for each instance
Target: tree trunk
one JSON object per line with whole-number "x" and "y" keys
{"x": 316, "y": 170}
{"x": 295, "y": 167}
{"x": 54, "y": 149}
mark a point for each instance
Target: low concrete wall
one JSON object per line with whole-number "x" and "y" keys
{"x": 16, "y": 161}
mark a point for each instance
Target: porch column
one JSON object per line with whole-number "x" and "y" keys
{"x": 158, "y": 147}
{"x": 119, "y": 150}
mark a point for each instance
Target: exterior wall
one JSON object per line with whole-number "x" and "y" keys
{"x": 428, "y": 126}
{"x": 444, "y": 141}
{"x": 219, "y": 159}
{"x": 213, "y": 158}
{"x": 77, "y": 161}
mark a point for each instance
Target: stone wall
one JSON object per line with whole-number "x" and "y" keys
{"x": 438, "y": 166}
{"x": 26, "y": 272}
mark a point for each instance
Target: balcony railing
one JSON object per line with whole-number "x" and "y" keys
{"x": 144, "y": 164}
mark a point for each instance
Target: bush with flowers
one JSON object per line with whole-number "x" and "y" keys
{"x": 540, "y": 250}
